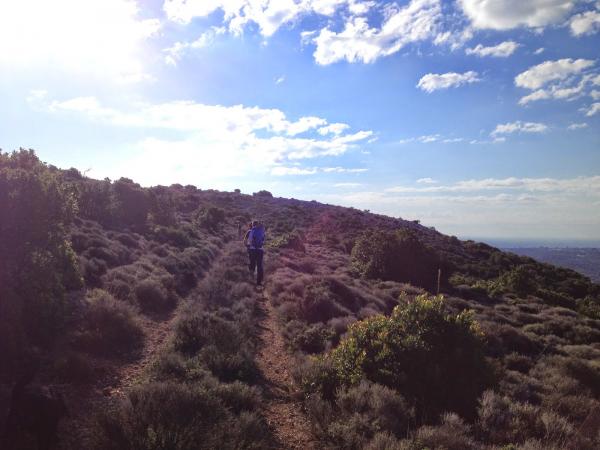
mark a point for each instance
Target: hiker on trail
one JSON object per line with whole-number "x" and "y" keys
{"x": 254, "y": 240}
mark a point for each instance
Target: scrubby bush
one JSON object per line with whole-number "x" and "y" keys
{"x": 318, "y": 303}
{"x": 73, "y": 368}
{"x": 197, "y": 330}
{"x": 421, "y": 351}
{"x": 159, "y": 416}
{"x": 263, "y": 193}
{"x": 152, "y": 295}
{"x": 211, "y": 218}
{"x": 171, "y": 235}
{"x": 131, "y": 203}
{"x": 398, "y": 256}
{"x": 109, "y": 326}
{"x": 452, "y": 434}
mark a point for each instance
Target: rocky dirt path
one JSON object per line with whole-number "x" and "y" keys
{"x": 283, "y": 407}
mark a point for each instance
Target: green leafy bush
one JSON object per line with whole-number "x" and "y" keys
{"x": 37, "y": 264}
{"x": 421, "y": 351}
{"x": 397, "y": 256}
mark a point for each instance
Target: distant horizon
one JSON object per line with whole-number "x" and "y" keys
{"x": 480, "y": 118}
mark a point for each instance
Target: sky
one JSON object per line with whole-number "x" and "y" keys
{"x": 480, "y": 118}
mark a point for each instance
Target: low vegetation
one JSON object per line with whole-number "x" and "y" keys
{"x": 93, "y": 271}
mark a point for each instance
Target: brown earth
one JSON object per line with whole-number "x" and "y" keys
{"x": 283, "y": 407}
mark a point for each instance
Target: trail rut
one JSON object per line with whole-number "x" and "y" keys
{"x": 283, "y": 408}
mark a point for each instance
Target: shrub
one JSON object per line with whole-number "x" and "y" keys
{"x": 173, "y": 236}
{"x": 109, "y": 326}
{"x": 160, "y": 416}
{"x": 73, "y": 368}
{"x": 421, "y": 351}
{"x": 37, "y": 264}
{"x": 452, "y": 434}
{"x": 318, "y": 303}
{"x": 312, "y": 339}
{"x": 590, "y": 307}
{"x": 263, "y": 193}
{"x": 211, "y": 218}
{"x": 131, "y": 203}
{"x": 397, "y": 256}
{"x": 152, "y": 296}
{"x": 195, "y": 331}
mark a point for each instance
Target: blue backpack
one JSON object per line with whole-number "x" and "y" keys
{"x": 258, "y": 236}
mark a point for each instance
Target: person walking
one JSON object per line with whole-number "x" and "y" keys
{"x": 254, "y": 241}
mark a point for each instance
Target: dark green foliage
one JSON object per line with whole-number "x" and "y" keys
{"x": 422, "y": 352}
{"x": 73, "y": 368}
{"x": 211, "y": 218}
{"x": 131, "y": 203}
{"x": 162, "y": 207}
{"x": 95, "y": 201}
{"x": 263, "y": 193}
{"x": 37, "y": 266}
{"x": 398, "y": 256}
{"x": 109, "y": 327}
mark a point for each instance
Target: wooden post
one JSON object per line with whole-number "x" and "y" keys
{"x": 439, "y": 277}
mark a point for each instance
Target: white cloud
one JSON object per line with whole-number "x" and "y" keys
{"x": 282, "y": 171}
{"x": 268, "y": 15}
{"x": 593, "y": 109}
{"x": 333, "y": 128}
{"x": 564, "y": 79}
{"x": 102, "y": 40}
{"x": 430, "y": 138}
{"x": 347, "y": 185}
{"x": 539, "y": 51}
{"x": 426, "y": 181}
{"x": 595, "y": 94}
{"x": 536, "y": 76}
{"x": 519, "y": 127}
{"x": 433, "y": 81}
{"x": 177, "y": 50}
{"x": 501, "y": 50}
{"x": 280, "y": 80}
{"x": 507, "y": 14}
{"x": 579, "y": 184}
{"x": 585, "y": 23}
{"x": 343, "y": 170}
{"x": 264, "y": 135}
{"x": 536, "y": 207}
{"x": 577, "y": 126}
{"x": 359, "y": 42}
{"x": 295, "y": 170}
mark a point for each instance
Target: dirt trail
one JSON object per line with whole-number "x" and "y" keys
{"x": 283, "y": 409}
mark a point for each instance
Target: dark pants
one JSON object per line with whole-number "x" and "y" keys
{"x": 256, "y": 261}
